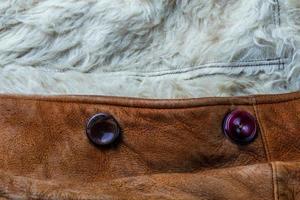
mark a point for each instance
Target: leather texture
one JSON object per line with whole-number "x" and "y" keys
{"x": 170, "y": 149}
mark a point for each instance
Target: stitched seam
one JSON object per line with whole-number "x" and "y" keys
{"x": 267, "y": 65}
{"x": 275, "y": 180}
{"x": 262, "y": 130}
{"x": 281, "y": 66}
{"x": 278, "y": 13}
{"x": 153, "y": 106}
{"x": 266, "y": 148}
{"x": 273, "y": 15}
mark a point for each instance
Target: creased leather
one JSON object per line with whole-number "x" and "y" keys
{"x": 170, "y": 149}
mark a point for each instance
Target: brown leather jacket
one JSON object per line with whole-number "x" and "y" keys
{"x": 169, "y": 149}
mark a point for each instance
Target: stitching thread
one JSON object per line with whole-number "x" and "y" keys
{"x": 278, "y": 11}
{"x": 262, "y": 130}
{"x": 151, "y": 106}
{"x": 184, "y": 70}
{"x": 275, "y": 180}
{"x": 267, "y": 151}
{"x": 280, "y": 63}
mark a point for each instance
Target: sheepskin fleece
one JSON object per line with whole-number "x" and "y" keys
{"x": 149, "y": 48}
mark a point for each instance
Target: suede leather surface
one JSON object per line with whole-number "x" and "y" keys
{"x": 170, "y": 149}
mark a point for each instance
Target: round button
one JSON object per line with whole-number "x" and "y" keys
{"x": 102, "y": 129}
{"x": 240, "y": 126}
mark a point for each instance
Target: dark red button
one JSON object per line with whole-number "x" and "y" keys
{"x": 102, "y": 129}
{"x": 240, "y": 126}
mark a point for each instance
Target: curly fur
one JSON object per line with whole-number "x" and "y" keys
{"x": 151, "y": 49}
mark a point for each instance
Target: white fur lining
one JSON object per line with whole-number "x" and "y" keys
{"x": 155, "y": 49}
